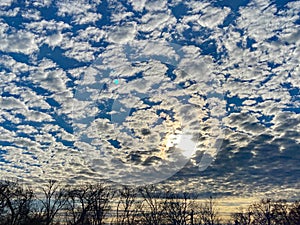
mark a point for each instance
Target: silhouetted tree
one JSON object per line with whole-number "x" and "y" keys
{"x": 179, "y": 208}
{"x": 91, "y": 205}
{"x": 207, "y": 213}
{"x": 266, "y": 212}
{"x": 52, "y": 201}
{"x": 294, "y": 214}
{"x": 78, "y": 205}
{"x": 280, "y": 211}
{"x": 88, "y": 205}
{"x": 262, "y": 212}
{"x": 242, "y": 218}
{"x": 15, "y": 203}
{"x": 100, "y": 196}
{"x": 127, "y": 206}
{"x": 153, "y": 207}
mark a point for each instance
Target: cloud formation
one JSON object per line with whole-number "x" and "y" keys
{"x": 60, "y": 67}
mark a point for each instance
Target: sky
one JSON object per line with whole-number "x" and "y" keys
{"x": 200, "y": 95}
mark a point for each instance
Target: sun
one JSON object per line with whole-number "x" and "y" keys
{"x": 172, "y": 137}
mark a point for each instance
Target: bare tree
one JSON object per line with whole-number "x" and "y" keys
{"x": 263, "y": 212}
{"x": 242, "y": 218}
{"x": 91, "y": 204}
{"x": 179, "y": 208}
{"x": 294, "y": 213}
{"x": 5, "y": 198}
{"x": 207, "y": 213}
{"x": 100, "y": 196}
{"x": 127, "y": 206}
{"x": 153, "y": 207}
{"x": 88, "y": 204}
{"x": 77, "y": 206}
{"x": 15, "y": 203}
{"x": 52, "y": 201}
{"x": 280, "y": 211}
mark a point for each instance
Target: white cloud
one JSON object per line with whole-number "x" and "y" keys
{"x": 72, "y": 7}
{"x": 212, "y": 16}
{"x": 6, "y": 3}
{"x": 123, "y": 34}
{"x": 14, "y": 66}
{"x": 54, "y": 40}
{"x": 6, "y": 78}
{"x": 138, "y": 5}
{"x": 197, "y": 6}
{"x": 156, "y": 5}
{"x": 18, "y": 41}
{"x": 249, "y": 102}
{"x": 259, "y": 20}
{"x": 42, "y": 26}
{"x": 28, "y": 129}
{"x": 32, "y": 14}
{"x": 81, "y": 51}
{"x": 52, "y": 80}
{"x": 81, "y": 11}
{"x": 153, "y": 84}
{"x": 9, "y": 103}
{"x": 88, "y": 17}
{"x": 9, "y": 12}
{"x": 155, "y": 21}
{"x": 7, "y": 135}
{"x": 91, "y": 33}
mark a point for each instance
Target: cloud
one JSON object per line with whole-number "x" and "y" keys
{"x": 253, "y": 61}
{"x": 151, "y": 22}
{"x": 10, "y": 12}
{"x": 212, "y": 16}
{"x": 145, "y": 88}
{"x": 156, "y": 5}
{"x": 54, "y": 40}
{"x": 18, "y": 41}
{"x": 10, "y": 103}
{"x": 82, "y": 12}
{"x": 123, "y": 34}
{"x": 138, "y": 5}
{"x": 6, "y": 3}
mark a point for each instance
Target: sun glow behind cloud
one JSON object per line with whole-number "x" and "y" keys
{"x": 153, "y": 101}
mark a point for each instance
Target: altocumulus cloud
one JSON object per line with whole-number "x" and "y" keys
{"x": 250, "y": 52}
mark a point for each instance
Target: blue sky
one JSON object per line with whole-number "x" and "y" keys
{"x": 203, "y": 95}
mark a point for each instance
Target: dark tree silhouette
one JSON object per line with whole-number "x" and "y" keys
{"x": 294, "y": 214}
{"x": 242, "y": 217}
{"x": 78, "y": 205}
{"x": 127, "y": 206}
{"x": 280, "y": 212}
{"x": 100, "y": 204}
{"x": 153, "y": 207}
{"x": 88, "y": 205}
{"x": 100, "y": 196}
{"x": 179, "y": 208}
{"x": 268, "y": 212}
{"x": 52, "y": 200}
{"x": 15, "y": 203}
{"x": 207, "y": 213}
{"x": 263, "y": 213}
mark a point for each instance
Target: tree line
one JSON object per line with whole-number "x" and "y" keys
{"x": 97, "y": 204}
